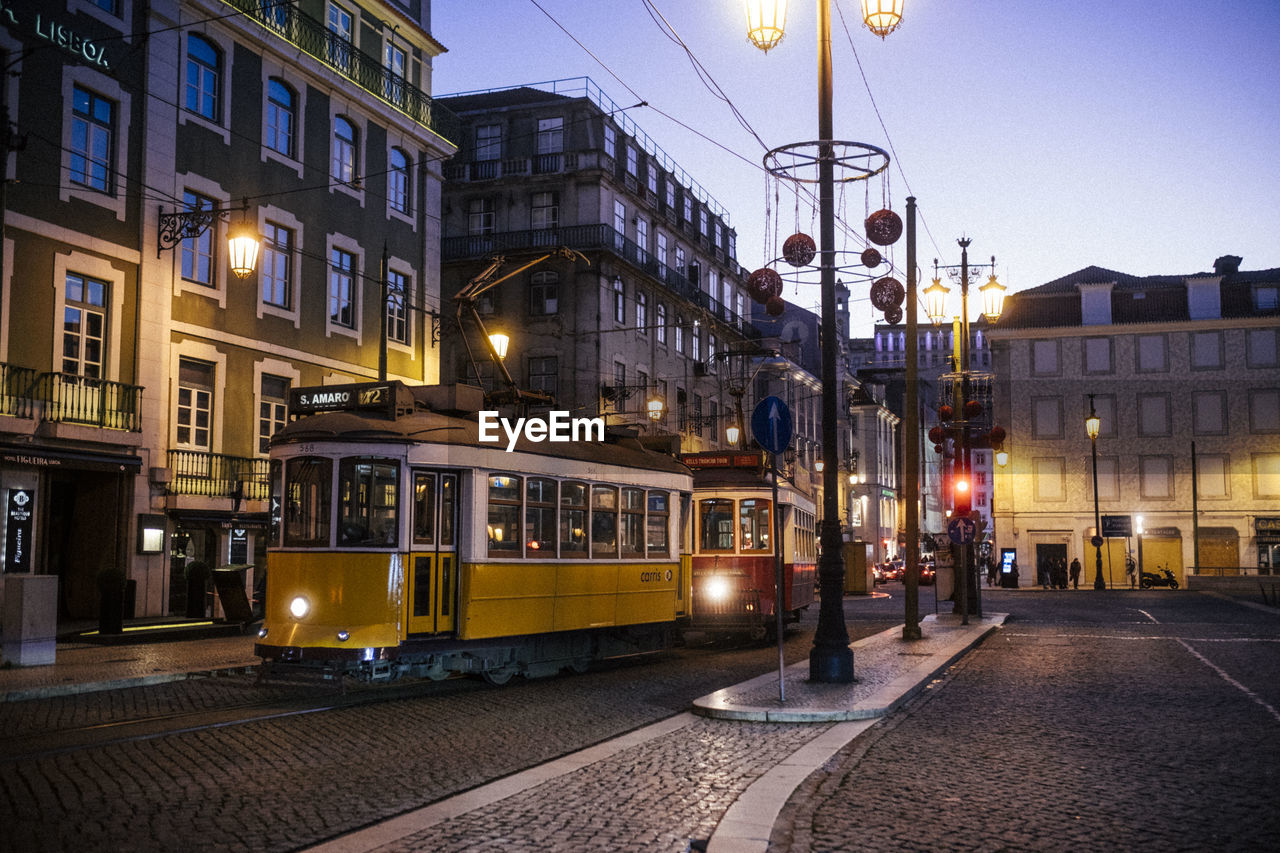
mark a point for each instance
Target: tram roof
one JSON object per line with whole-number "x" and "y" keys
{"x": 464, "y": 432}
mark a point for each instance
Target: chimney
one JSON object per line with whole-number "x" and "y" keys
{"x": 1227, "y": 265}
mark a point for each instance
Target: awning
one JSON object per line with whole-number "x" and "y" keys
{"x": 35, "y": 456}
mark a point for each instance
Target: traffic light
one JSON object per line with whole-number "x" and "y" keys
{"x": 961, "y": 495}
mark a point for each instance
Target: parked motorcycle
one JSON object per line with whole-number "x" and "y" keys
{"x": 1150, "y": 580}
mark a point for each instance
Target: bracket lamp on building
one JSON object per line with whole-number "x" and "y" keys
{"x": 243, "y": 240}
{"x": 499, "y": 342}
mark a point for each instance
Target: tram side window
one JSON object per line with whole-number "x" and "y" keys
{"x": 754, "y": 520}
{"x": 368, "y": 492}
{"x": 504, "y": 516}
{"x": 633, "y": 504}
{"x": 604, "y": 521}
{"x": 573, "y": 519}
{"x": 424, "y": 509}
{"x": 715, "y": 523}
{"x": 657, "y": 541}
{"x": 540, "y": 517}
{"x": 308, "y": 483}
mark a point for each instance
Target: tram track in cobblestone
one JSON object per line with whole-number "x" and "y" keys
{"x": 45, "y": 744}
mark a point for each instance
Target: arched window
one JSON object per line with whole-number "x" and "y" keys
{"x": 344, "y": 151}
{"x": 398, "y": 195}
{"x": 281, "y": 117}
{"x": 204, "y": 77}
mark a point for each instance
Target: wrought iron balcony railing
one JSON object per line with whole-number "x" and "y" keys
{"x": 313, "y": 37}
{"x": 16, "y": 386}
{"x": 197, "y": 472}
{"x": 67, "y": 398}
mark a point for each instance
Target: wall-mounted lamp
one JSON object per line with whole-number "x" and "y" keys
{"x": 499, "y": 342}
{"x": 243, "y": 240}
{"x": 732, "y": 433}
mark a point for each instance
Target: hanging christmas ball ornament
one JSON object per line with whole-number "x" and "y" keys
{"x": 871, "y": 258}
{"x": 799, "y": 249}
{"x": 775, "y": 306}
{"x": 893, "y": 316}
{"x": 887, "y": 293}
{"x": 972, "y": 409}
{"x": 884, "y": 227}
{"x": 763, "y": 284}
{"x": 997, "y": 434}
{"x": 937, "y": 448}
{"x": 945, "y": 412}
{"x": 937, "y": 434}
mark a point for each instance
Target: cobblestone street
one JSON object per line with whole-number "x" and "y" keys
{"x": 1117, "y": 721}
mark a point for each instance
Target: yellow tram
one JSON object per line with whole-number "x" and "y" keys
{"x": 404, "y": 545}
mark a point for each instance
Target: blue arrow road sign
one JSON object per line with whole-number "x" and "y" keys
{"x": 771, "y": 424}
{"x": 962, "y": 530}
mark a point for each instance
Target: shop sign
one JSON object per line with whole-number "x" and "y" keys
{"x": 42, "y": 26}
{"x": 1117, "y": 526}
{"x": 1165, "y": 532}
{"x": 17, "y": 543}
{"x": 1270, "y": 526}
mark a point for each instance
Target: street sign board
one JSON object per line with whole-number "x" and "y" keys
{"x": 1117, "y": 526}
{"x": 962, "y": 530}
{"x": 771, "y": 424}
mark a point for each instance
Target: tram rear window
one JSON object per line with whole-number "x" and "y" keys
{"x": 368, "y": 491}
{"x": 308, "y": 501}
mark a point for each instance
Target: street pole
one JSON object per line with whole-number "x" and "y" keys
{"x": 1098, "y": 582}
{"x": 830, "y": 659}
{"x": 911, "y": 441}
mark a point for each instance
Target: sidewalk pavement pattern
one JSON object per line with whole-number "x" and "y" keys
{"x": 888, "y": 670}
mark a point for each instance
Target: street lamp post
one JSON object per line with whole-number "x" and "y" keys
{"x": 831, "y": 659}
{"x": 962, "y": 396}
{"x": 1093, "y": 425}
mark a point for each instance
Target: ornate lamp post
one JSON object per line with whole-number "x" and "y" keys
{"x": 831, "y": 659}
{"x": 1093, "y": 425}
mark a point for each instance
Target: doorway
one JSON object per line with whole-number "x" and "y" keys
{"x": 433, "y": 558}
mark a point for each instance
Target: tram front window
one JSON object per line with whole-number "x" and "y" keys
{"x": 754, "y": 521}
{"x": 367, "y": 491}
{"x": 308, "y": 500}
{"x": 715, "y": 523}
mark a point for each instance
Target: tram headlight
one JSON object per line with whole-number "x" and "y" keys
{"x": 717, "y": 588}
{"x": 299, "y": 607}
{"x": 262, "y": 633}
{"x": 343, "y": 636}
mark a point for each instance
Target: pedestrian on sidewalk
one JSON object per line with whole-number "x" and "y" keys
{"x": 1131, "y": 570}
{"x": 1075, "y": 572}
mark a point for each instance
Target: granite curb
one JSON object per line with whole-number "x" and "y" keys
{"x": 888, "y": 671}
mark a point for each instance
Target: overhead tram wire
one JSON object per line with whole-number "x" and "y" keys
{"x": 876, "y": 108}
{"x": 644, "y": 102}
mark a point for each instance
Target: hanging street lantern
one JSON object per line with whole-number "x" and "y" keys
{"x": 242, "y": 248}
{"x": 766, "y": 22}
{"x": 499, "y": 342}
{"x": 882, "y": 16}
{"x": 656, "y": 407}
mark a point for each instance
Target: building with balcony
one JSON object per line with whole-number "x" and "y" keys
{"x": 649, "y": 308}
{"x": 1183, "y": 372}
{"x": 140, "y": 379}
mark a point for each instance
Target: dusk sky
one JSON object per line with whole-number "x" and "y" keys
{"x": 1142, "y": 137}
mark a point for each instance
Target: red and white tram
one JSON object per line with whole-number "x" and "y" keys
{"x": 734, "y": 557}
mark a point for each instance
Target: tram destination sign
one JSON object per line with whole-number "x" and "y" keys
{"x": 344, "y": 398}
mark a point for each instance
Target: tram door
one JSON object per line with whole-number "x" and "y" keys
{"x": 433, "y": 558}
